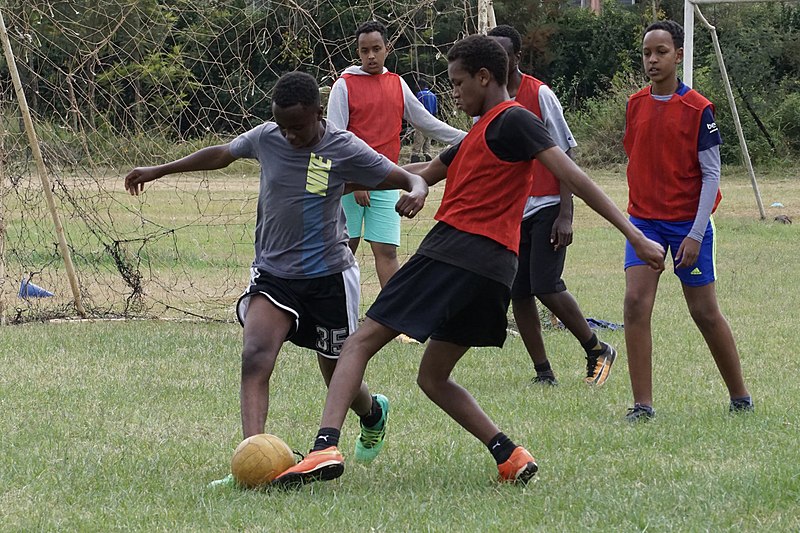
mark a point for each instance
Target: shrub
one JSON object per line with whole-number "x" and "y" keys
{"x": 599, "y": 124}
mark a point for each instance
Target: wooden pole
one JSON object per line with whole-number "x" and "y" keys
{"x": 688, "y": 43}
{"x": 483, "y": 17}
{"x": 2, "y": 231}
{"x": 486, "y": 18}
{"x": 37, "y": 155}
{"x": 734, "y": 111}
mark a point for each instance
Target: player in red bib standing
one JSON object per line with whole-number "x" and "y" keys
{"x": 545, "y": 234}
{"x": 672, "y": 143}
{"x": 372, "y": 102}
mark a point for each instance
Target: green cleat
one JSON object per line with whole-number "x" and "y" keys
{"x": 226, "y": 482}
{"x": 370, "y": 441}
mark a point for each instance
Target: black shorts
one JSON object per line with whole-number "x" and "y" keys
{"x": 540, "y": 267}
{"x": 429, "y": 298}
{"x": 325, "y": 309}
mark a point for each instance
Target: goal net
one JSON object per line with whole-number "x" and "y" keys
{"x": 113, "y": 84}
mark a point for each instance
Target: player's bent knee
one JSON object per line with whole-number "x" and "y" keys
{"x": 429, "y": 384}
{"x": 257, "y": 361}
{"x": 424, "y": 384}
{"x": 708, "y": 319}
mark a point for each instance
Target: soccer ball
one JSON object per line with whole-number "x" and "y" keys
{"x": 257, "y": 460}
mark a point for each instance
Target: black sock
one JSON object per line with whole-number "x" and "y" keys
{"x": 501, "y": 447}
{"x": 326, "y": 438}
{"x": 543, "y": 368}
{"x": 374, "y": 415}
{"x": 593, "y": 346}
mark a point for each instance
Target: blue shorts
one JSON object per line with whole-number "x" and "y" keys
{"x": 380, "y": 221}
{"x": 670, "y": 235}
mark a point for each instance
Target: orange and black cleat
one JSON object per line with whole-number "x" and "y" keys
{"x": 599, "y": 367}
{"x": 519, "y": 468}
{"x": 322, "y": 465}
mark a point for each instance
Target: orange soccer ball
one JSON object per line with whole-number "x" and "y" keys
{"x": 257, "y": 460}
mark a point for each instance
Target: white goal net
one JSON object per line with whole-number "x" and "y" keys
{"x": 113, "y": 84}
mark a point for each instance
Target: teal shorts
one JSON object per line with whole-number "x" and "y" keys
{"x": 380, "y": 221}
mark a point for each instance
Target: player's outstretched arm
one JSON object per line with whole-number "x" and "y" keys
{"x": 431, "y": 171}
{"x": 419, "y": 117}
{"x": 569, "y": 173}
{"x": 409, "y": 204}
{"x": 210, "y": 158}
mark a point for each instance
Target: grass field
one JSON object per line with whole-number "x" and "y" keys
{"x": 120, "y": 425}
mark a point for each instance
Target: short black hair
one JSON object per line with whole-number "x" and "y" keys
{"x": 371, "y": 26}
{"x": 504, "y": 30}
{"x": 671, "y": 27}
{"x": 296, "y": 88}
{"x": 479, "y": 51}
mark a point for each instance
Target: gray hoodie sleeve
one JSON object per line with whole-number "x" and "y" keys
{"x": 416, "y": 114}
{"x": 710, "y": 165}
{"x": 338, "y": 108}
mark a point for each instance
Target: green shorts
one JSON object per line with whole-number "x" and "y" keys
{"x": 380, "y": 221}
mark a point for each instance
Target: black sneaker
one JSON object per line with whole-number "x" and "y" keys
{"x": 741, "y": 405}
{"x": 640, "y": 411}
{"x": 548, "y": 381}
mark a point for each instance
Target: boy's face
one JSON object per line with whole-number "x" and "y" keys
{"x": 299, "y": 124}
{"x": 508, "y": 46}
{"x": 469, "y": 91}
{"x": 660, "y": 57}
{"x": 372, "y": 51}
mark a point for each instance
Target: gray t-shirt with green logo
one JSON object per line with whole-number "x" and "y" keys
{"x": 300, "y": 224}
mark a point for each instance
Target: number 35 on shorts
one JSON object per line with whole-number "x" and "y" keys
{"x": 330, "y": 341}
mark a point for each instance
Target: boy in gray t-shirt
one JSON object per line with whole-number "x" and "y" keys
{"x": 304, "y": 283}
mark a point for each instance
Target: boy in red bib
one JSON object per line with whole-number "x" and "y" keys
{"x": 545, "y": 234}
{"x": 456, "y": 289}
{"x": 672, "y": 144}
{"x": 372, "y": 102}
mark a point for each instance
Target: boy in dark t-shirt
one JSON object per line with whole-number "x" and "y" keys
{"x": 456, "y": 289}
{"x": 304, "y": 282}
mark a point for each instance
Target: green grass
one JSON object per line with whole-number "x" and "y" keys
{"x": 120, "y": 425}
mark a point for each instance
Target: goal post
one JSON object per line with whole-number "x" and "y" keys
{"x": 691, "y": 9}
{"x": 734, "y": 111}
{"x": 688, "y": 29}
{"x": 42, "y": 170}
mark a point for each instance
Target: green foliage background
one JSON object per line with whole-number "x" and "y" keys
{"x": 184, "y": 69}
{"x": 593, "y": 64}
